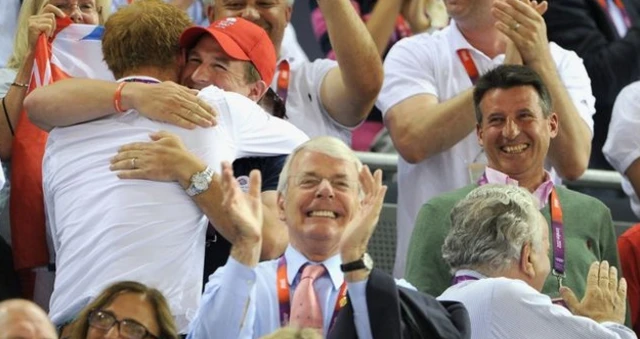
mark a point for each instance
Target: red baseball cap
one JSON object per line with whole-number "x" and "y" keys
{"x": 241, "y": 40}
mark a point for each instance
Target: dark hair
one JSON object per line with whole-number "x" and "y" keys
{"x": 509, "y": 76}
{"x": 105, "y": 298}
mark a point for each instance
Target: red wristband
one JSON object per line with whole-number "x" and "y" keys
{"x": 117, "y": 98}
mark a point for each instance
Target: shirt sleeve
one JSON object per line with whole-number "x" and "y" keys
{"x": 512, "y": 300}
{"x": 227, "y": 308}
{"x": 257, "y": 133}
{"x": 576, "y": 80}
{"x": 408, "y": 71}
{"x": 358, "y": 298}
{"x": 622, "y": 147}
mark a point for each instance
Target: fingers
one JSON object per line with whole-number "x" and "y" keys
{"x": 255, "y": 184}
{"x": 613, "y": 279}
{"x": 155, "y": 136}
{"x": 133, "y": 174}
{"x": 622, "y": 289}
{"x": 51, "y": 9}
{"x": 603, "y": 275}
{"x": 227, "y": 181}
{"x": 570, "y": 298}
{"x": 592, "y": 276}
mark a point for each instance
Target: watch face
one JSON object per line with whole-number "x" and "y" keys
{"x": 200, "y": 182}
{"x": 368, "y": 262}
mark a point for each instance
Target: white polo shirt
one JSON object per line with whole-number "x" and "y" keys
{"x": 429, "y": 64}
{"x": 622, "y": 147}
{"x": 304, "y": 108}
{"x": 105, "y": 229}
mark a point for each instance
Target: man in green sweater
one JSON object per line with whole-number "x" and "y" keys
{"x": 515, "y": 126}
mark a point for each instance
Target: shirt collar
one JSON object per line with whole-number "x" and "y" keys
{"x": 144, "y": 78}
{"x": 541, "y": 193}
{"x": 295, "y": 260}
{"x": 469, "y": 273}
{"x": 458, "y": 42}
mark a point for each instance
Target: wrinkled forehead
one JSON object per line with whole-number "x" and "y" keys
{"x": 324, "y": 164}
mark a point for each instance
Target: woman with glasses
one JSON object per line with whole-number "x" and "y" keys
{"x": 128, "y": 310}
{"x": 36, "y": 17}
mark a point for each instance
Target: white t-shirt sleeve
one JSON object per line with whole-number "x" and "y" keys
{"x": 577, "y": 82}
{"x": 255, "y": 132}
{"x": 408, "y": 71}
{"x": 623, "y": 141}
{"x": 518, "y": 310}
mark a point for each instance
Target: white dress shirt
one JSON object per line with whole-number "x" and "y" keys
{"x": 429, "y": 64}
{"x": 510, "y": 308}
{"x": 242, "y": 302}
{"x": 105, "y": 229}
{"x": 622, "y": 147}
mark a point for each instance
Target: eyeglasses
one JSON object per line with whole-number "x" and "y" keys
{"x": 86, "y": 7}
{"x": 130, "y": 329}
{"x": 309, "y": 181}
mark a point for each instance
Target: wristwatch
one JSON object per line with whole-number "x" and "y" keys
{"x": 200, "y": 182}
{"x": 363, "y": 263}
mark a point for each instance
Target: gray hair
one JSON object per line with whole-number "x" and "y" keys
{"x": 490, "y": 226}
{"x": 330, "y": 146}
{"x": 213, "y": 2}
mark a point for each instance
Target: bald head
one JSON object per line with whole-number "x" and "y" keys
{"x": 22, "y": 319}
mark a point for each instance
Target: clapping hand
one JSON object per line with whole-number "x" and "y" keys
{"x": 604, "y": 298}
{"x": 359, "y": 230}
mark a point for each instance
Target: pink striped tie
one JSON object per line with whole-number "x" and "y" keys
{"x": 305, "y": 308}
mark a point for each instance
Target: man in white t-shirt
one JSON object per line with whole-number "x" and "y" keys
{"x": 497, "y": 246}
{"x": 105, "y": 229}
{"x": 426, "y": 100}
{"x": 323, "y": 97}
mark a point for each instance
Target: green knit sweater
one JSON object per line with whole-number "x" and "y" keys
{"x": 588, "y": 230}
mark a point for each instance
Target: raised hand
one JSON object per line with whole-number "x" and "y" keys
{"x": 43, "y": 22}
{"x": 604, "y": 298}
{"x": 357, "y": 233}
{"x": 164, "y": 158}
{"x": 245, "y": 212}
{"x": 171, "y": 103}
{"x": 523, "y": 25}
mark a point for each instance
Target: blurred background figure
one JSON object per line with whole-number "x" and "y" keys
{"x": 25, "y": 320}
{"x": 606, "y": 35}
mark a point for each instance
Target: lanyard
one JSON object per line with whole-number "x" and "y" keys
{"x": 625, "y": 15}
{"x": 284, "y": 295}
{"x": 402, "y": 27}
{"x": 469, "y": 65}
{"x": 282, "y": 85}
{"x": 460, "y": 278}
{"x": 557, "y": 228}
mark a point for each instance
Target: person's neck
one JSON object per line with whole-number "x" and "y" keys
{"x": 319, "y": 252}
{"x": 530, "y": 181}
{"x": 483, "y": 37}
{"x": 154, "y": 72}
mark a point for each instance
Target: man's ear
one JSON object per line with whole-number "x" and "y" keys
{"x": 526, "y": 264}
{"x": 257, "y": 90}
{"x": 280, "y": 203}
{"x": 479, "y": 133}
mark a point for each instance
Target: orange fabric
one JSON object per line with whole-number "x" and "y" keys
{"x": 28, "y": 221}
{"x": 629, "y": 250}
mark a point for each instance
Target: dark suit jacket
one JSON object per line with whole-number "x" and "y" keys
{"x": 397, "y": 312}
{"x": 611, "y": 61}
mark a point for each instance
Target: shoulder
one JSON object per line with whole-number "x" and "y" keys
{"x": 579, "y": 201}
{"x": 417, "y": 46}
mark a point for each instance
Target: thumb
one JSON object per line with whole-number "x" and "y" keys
{"x": 155, "y": 136}
{"x": 569, "y": 298}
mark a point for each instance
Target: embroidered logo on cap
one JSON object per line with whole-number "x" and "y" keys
{"x": 226, "y": 23}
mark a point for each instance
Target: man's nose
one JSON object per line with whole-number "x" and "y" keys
{"x": 250, "y": 13}
{"x": 324, "y": 190}
{"x": 511, "y": 129}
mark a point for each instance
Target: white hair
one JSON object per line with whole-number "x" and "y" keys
{"x": 490, "y": 226}
{"x": 330, "y": 146}
{"x": 212, "y": 2}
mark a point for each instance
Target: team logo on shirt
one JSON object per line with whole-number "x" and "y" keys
{"x": 243, "y": 182}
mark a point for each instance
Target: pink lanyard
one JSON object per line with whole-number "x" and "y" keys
{"x": 469, "y": 65}
{"x": 284, "y": 295}
{"x": 625, "y": 15}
